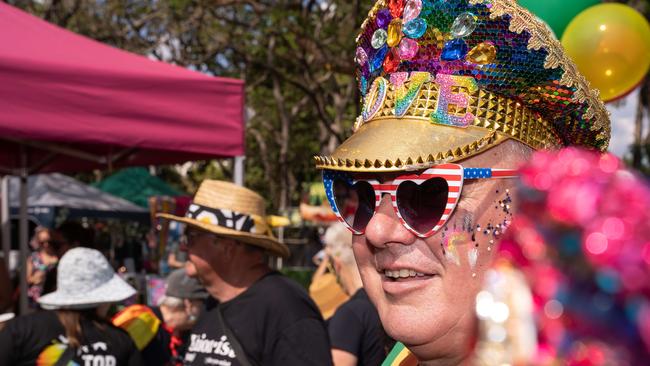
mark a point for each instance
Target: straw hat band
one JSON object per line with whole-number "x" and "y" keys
{"x": 228, "y": 219}
{"x": 224, "y": 195}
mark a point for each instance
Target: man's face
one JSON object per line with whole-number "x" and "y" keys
{"x": 438, "y": 303}
{"x": 203, "y": 255}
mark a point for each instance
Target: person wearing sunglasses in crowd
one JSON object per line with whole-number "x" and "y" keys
{"x": 41, "y": 262}
{"x": 456, "y": 95}
{"x": 262, "y": 317}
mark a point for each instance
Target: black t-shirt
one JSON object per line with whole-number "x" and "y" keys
{"x": 275, "y": 322}
{"x": 356, "y": 328}
{"x": 39, "y": 339}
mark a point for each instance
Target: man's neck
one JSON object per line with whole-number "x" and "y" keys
{"x": 237, "y": 283}
{"x": 452, "y": 349}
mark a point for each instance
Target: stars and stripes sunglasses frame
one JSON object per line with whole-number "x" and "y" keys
{"x": 423, "y": 202}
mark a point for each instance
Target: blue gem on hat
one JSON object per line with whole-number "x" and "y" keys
{"x": 415, "y": 28}
{"x": 456, "y": 49}
{"x": 378, "y": 59}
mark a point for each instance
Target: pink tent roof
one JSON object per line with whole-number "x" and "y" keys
{"x": 72, "y": 103}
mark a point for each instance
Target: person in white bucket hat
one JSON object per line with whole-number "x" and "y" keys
{"x": 74, "y": 329}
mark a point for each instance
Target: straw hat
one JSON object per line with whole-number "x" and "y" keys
{"x": 231, "y": 211}
{"x": 444, "y": 80}
{"x": 85, "y": 280}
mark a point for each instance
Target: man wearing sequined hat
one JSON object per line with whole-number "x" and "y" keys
{"x": 456, "y": 95}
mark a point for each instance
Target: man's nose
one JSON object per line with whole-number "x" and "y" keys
{"x": 385, "y": 227}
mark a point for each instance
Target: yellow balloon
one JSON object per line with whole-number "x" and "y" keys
{"x": 610, "y": 44}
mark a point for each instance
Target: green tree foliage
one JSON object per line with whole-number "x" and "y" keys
{"x": 296, "y": 57}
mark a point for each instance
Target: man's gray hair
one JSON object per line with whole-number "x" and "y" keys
{"x": 338, "y": 241}
{"x": 172, "y": 302}
{"x": 518, "y": 149}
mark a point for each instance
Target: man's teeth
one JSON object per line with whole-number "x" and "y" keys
{"x": 403, "y": 273}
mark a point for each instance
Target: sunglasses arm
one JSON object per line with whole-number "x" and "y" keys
{"x": 477, "y": 173}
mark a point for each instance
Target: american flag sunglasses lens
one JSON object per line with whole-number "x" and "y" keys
{"x": 355, "y": 203}
{"x": 422, "y": 206}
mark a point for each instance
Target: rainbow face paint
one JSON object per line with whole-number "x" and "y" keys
{"x": 452, "y": 242}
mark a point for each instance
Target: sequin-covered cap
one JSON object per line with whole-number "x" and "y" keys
{"x": 443, "y": 80}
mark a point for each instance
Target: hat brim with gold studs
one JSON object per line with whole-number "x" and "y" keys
{"x": 231, "y": 211}
{"x": 443, "y": 80}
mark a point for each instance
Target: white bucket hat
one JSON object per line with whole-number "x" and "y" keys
{"x": 85, "y": 280}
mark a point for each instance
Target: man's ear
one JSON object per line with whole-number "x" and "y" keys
{"x": 188, "y": 305}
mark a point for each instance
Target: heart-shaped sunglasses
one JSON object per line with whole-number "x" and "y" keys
{"x": 423, "y": 202}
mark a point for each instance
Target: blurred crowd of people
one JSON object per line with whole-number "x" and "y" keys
{"x": 225, "y": 306}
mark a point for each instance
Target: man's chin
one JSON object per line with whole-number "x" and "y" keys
{"x": 409, "y": 325}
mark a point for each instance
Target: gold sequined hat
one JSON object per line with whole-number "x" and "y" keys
{"x": 443, "y": 80}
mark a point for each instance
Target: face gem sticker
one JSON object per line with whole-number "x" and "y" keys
{"x": 472, "y": 257}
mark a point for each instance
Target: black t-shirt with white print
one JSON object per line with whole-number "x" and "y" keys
{"x": 275, "y": 322}
{"x": 39, "y": 339}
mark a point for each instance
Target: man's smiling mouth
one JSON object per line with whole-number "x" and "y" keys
{"x": 403, "y": 273}
{"x": 397, "y": 274}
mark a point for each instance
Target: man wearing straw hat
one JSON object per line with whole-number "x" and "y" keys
{"x": 262, "y": 318}
{"x": 457, "y": 94}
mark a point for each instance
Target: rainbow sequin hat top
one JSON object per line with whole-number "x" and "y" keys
{"x": 442, "y": 80}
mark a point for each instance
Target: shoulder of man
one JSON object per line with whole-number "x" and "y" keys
{"x": 359, "y": 305}
{"x": 282, "y": 294}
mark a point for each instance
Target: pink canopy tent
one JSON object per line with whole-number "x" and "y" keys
{"x": 75, "y": 103}
{"x": 69, "y": 103}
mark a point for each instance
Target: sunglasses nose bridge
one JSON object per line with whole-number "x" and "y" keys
{"x": 386, "y": 227}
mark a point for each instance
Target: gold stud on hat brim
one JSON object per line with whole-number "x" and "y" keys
{"x": 266, "y": 242}
{"x": 402, "y": 144}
